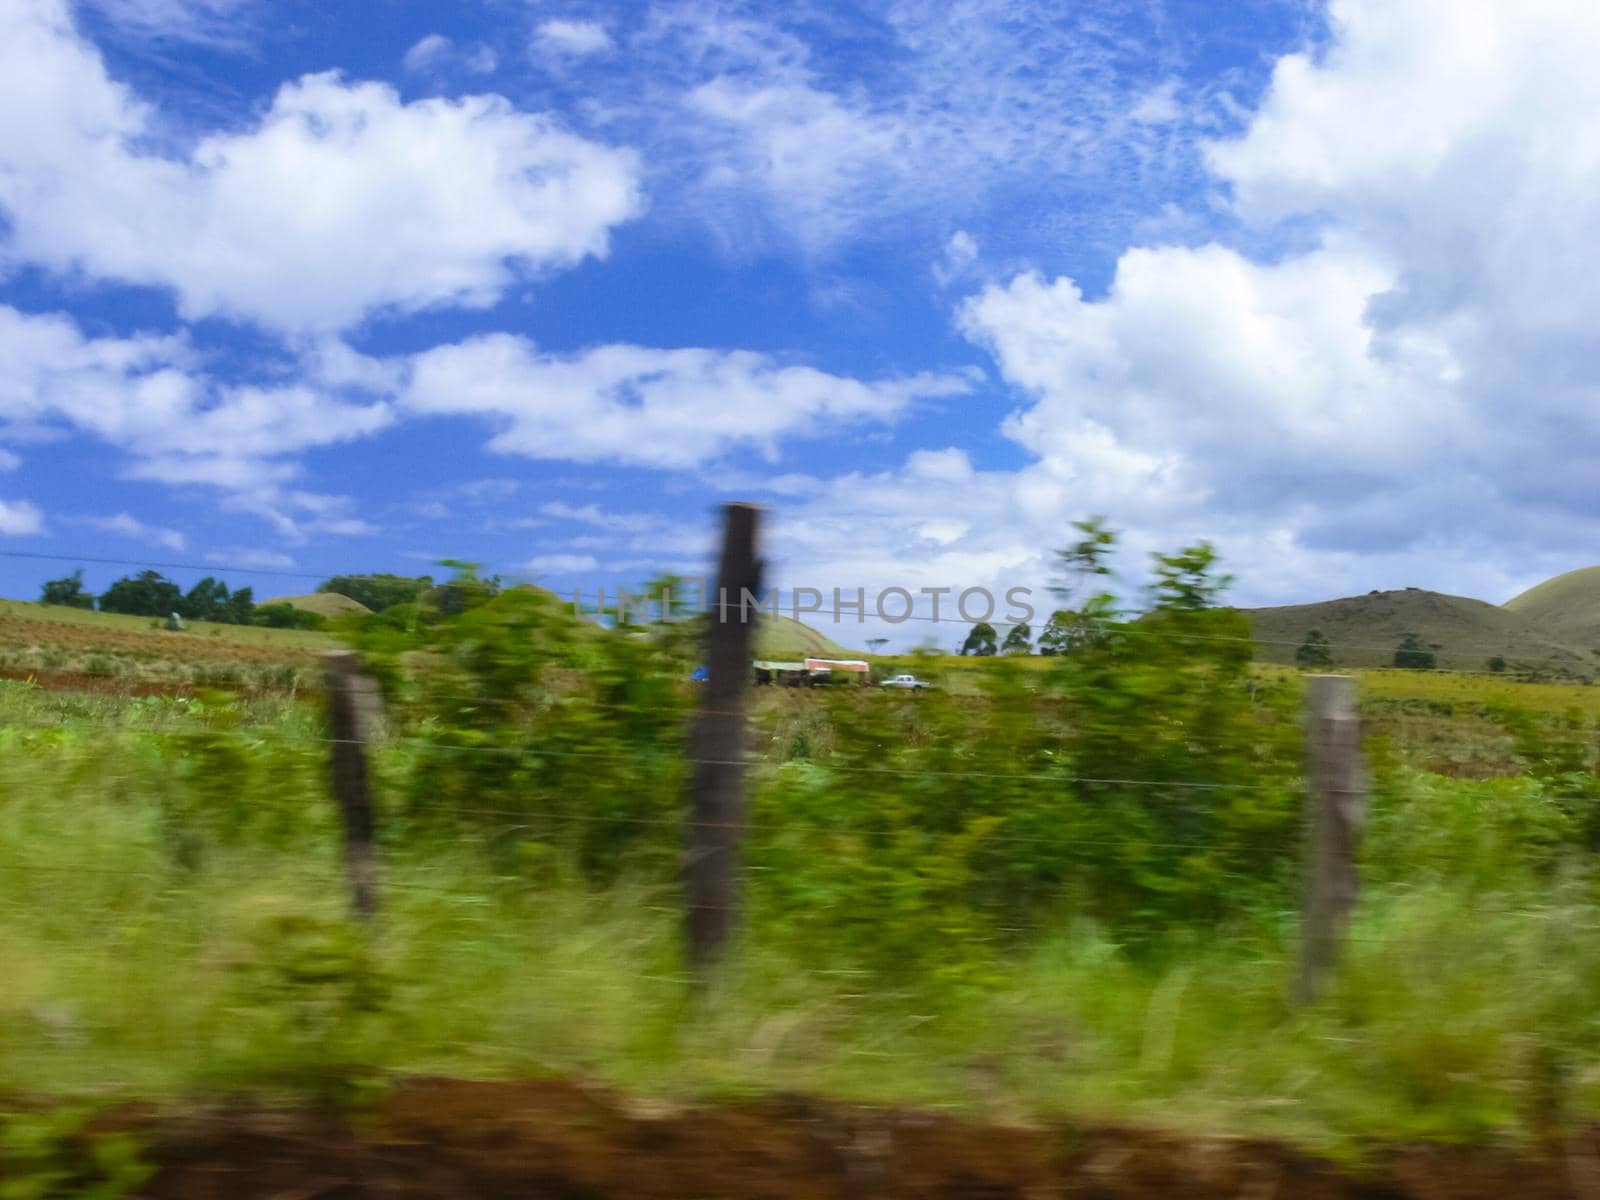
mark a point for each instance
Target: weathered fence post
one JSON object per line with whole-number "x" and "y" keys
{"x": 352, "y": 705}
{"x": 1338, "y": 808}
{"x": 717, "y": 802}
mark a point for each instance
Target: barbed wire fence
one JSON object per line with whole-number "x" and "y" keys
{"x": 713, "y": 819}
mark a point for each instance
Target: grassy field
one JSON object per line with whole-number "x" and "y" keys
{"x": 75, "y": 647}
{"x": 172, "y": 913}
{"x": 169, "y": 963}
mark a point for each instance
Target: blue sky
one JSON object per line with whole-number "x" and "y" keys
{"x": 304, "y": 287}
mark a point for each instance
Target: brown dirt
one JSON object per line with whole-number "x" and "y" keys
{"x": 556, "y": 1140}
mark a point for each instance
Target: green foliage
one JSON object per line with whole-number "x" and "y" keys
{"x": 928, "y": 909}
{"x": 68, "y": 592}
{"x": 53, "y": 1155}
{"x": 1150, "y": 783}
{"x": 308, "y": 990}
{"x": 1019, "y": 640}
{"x": 1314, "y": 652}
{"x": 1497, "y": 664}
{"x": 1058, "y": 634}
{"x": 286, "y": 616}
{"x": 980, "y": 641}
{"x": 380, "y": 591}
{"x": 1414, "y": 654}
{"x": 210, "y": 600}
{"x": 534, "y": 726}
{"x": 1086, "y": 559}
{"x": 147, "y": 594}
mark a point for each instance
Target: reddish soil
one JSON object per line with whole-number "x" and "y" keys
{"x": 563, "y": 1141}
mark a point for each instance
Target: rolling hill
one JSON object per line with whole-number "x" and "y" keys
{"x": 1566, "y": 607}
{"x": 324, "y": 604}
{"x": 1466, "y": 633}
{"x": 784, "y": 637}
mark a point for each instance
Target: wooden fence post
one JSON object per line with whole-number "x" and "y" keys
{"x": 717, "y": 801}
{"x": 352, "y": 705}
{"x": 1338, "y": 808}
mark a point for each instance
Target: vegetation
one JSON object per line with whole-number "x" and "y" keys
{"x": 1018, "y": 640}
{"x": 1567, "y": 607}
{"x": 380, "y": 591}
{"x": 68, "y": 592}
{"x": 1059, "y": 884}
{"x": 1314, "y": 652}
{"x": 1413, "y": 654}
{"x": 1362, "y": 631}
{"x": 286, "y": 616}
{"x": 981, "y": 641}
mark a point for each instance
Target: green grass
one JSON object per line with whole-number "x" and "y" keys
{"x": 143, "y": 958}
{"x": 324, "y": 604}
{"x": 248, "y": 635}
{"x": 1365, "y": 630}
{"x": 1567, "y": 606}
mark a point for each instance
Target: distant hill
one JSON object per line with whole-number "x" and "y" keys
{"x": 1566, "y": 607}
{"x": 1466, "y": 633}
{"x": 324, "y": 604}
{"x": 783, "y": 637}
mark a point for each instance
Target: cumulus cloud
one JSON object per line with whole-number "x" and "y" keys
{"x": 643, "y": 406}
{"x": 18, "y": 517}
{"x": 149, "y": 396}
{"x": 1419, "y": 380}
{"x": 437, "y": 202}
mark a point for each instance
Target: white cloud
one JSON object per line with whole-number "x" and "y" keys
{"x": 756, "y": 129}
{"x": 1416, "y": 384}
{"x": 576, "y": 38}
{"x": 960, "y": 253}
{"x": 127, "y": 525}
{"x": 1158, "y": 106}
{"x": 821, "y": 161}
{"x": 222, "y": 23}
{"x": 437, "y": 202}
{"x": 648, "y": 407}
{"x": 560, "y": 564}
{"x": 427, "y": 52}
{"x": 437, "y": 52}
{"x": 9, "y": 461}
{"x": 149, "y": 396}
{"x": 18, "y": 517}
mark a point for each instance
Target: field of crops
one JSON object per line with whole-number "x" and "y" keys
{"x": 1065, "y": 887}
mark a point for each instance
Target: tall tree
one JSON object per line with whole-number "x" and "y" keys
{"x": 1415, "y": 654}
{"x": 380, "y": 591}
{"x": 1057, "y": 635}
{"x": 1019, "y": 640}
{"x": 68, "y": 592}
{"x": 982, "y": 641}
{"x": 147, "y": 594}
{"x": 1314, "y": 651}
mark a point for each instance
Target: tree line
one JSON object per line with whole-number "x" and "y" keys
{"x": 151, "y": 594}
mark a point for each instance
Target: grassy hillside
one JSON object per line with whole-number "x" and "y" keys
{"x": 1466, "y": 633}
{"x": 784, "y": 637}
{"x": 324, "y": 604}
{"x": 1566, "y": 608}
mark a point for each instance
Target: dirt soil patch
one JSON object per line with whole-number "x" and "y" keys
{"x": 565, "y": 1141}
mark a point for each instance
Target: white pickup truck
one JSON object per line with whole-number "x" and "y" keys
{"x": 909, "y": 683}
